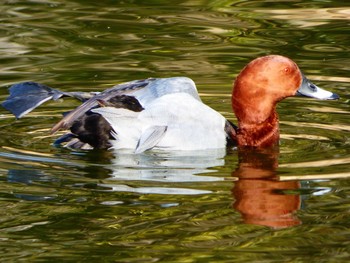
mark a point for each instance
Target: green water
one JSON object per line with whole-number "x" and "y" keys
{"x": 290, "y": 205}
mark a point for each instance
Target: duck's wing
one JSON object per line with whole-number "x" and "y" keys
{"x": 145, "y": 91}
{"x": 26, "y": 96}
{"x": 118, "y": 90}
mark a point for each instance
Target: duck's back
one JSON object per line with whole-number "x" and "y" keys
{"x": 166, "y": 113}
{"x": 154, "y": 88}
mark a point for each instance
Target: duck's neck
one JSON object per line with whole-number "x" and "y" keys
{"x": 263, "y": 133}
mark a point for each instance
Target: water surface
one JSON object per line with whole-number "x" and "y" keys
{"x": 291, "y": 204}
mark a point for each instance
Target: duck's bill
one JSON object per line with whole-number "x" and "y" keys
{"x": 308, "y": 89}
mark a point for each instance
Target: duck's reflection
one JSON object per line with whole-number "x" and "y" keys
{"x": 164, "y": 167}
{"x": 160, "y": 170}
{"x": 259, "y": 196}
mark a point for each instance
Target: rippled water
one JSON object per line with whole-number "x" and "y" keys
{"x": 289, "y": 205}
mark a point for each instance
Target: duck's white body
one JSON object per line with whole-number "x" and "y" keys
{"x": 174, "y": 118}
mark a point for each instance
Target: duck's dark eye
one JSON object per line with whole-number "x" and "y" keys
{"x": 312, "y": 87}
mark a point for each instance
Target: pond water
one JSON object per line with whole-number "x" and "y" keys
{"x": 287, "y": 205}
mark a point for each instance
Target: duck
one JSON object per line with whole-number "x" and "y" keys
{"x": 168, "y": 114}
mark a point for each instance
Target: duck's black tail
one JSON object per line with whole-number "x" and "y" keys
{"x": 26, "y": 96}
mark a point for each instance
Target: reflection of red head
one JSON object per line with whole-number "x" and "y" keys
{"x": 260, "y": 198}
{"x": 262, "y": 202}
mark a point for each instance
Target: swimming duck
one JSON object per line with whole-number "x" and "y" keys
{"x": 167, "y": 113}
